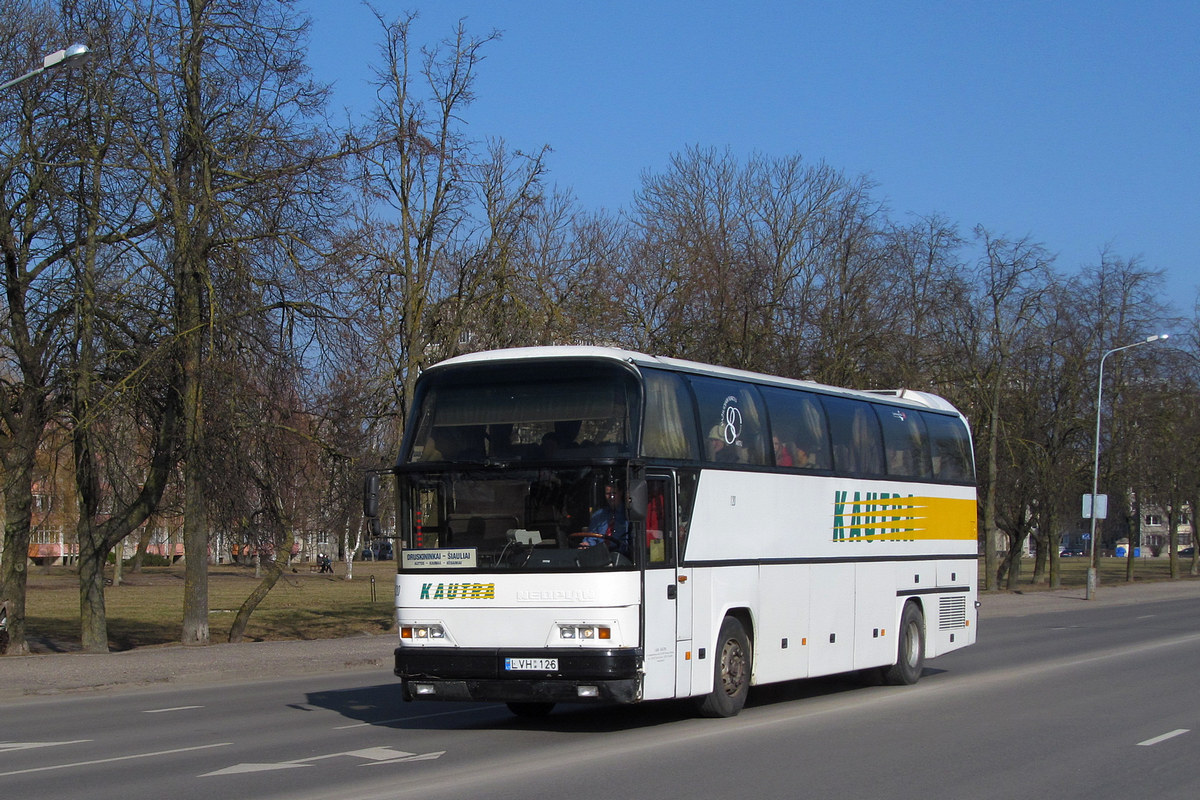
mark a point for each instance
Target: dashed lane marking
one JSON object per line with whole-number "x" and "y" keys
{"x": 114, "y": 759}
{"x": 1164, "y": 737}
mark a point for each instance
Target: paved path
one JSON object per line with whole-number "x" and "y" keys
{"x": 60, "y": 673}
{"x": 69, "y": 673}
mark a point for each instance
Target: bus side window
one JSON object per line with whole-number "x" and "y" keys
{"x": 950, "y": 446}
{"x": 857, "y": 441}
{"x": 905, "y": 442}
{"x": 798, "y": 425}
{"x": 670, "y": 427}
{"x": 732, "y": 420}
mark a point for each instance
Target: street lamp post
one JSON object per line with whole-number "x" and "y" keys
{"x": 70, "y": 57}
{"x": 1093, "y": 573}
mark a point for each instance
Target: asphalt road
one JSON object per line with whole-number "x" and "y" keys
{"x": 1060, "y": 698}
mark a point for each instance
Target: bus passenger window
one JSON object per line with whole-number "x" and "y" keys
{"x": 801, "y": 439}
{"x": 857, "y": 443}
{"x": 905, "y": 442}
{"x": 950, "y": 446}
{"x": 670, "y": 426}
{"x": 732, "y": 421}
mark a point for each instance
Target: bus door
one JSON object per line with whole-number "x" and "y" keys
{"x": 666, "y": 595}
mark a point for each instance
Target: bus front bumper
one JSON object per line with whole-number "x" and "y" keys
{"x": 508, "y": 676}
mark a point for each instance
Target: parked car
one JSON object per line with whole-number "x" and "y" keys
{"x": 378, "y": 551}
{"x": 1072, "y": 551}
{"x": 1187, "y": 551}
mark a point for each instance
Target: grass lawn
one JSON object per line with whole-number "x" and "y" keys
{"x": 1112, "y": 572}
{"x": 147, "y": 609}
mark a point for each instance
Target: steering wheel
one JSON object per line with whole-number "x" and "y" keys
{"x": 609, "y": 540}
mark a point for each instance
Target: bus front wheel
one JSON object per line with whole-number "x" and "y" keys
{"x": 910, "y": 653}
{"x": 731, "y": 672}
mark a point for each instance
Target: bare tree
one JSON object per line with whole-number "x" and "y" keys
{"x": 434, "y": 254}
{"x": 35, "y": 332}
{"x": 1045, "y": 405}
{"x": 1010, "y": 280}
{"x": 230, "y": 148}
{"x": 1118, "y": 300}
{"x": 734, "y": 264}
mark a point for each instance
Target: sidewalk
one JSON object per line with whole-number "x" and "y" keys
{"x": 1021, "y": 604}
{"x": 159, "y": 667}
{"x": 175, "y": 665}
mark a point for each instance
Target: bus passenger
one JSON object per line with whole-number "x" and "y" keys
{"x": 783, "y": 458}
{"x": 718, "y": 449}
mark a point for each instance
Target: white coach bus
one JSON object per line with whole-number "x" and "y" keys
{"x": 584, "y": 524}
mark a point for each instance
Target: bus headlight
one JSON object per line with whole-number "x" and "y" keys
{"x": 584, "y": 632}
{"x": 418, "y": 632}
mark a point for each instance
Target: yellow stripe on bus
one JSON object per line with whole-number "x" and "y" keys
{"x": 907, "y": 518}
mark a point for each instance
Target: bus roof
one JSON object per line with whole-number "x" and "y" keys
{"x": 908, "y": 397}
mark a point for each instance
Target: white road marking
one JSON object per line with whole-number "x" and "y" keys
{"x": 1164, "y": 737}
{"x": 372, "y": 755}
{"x": 113, "y": 759}
{"x": 167, "y": 710}
{"x": 8, "y": 747}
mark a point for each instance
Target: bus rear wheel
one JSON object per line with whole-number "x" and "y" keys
{"x": 910, "y": 653}
{"x": 731, "y": 672}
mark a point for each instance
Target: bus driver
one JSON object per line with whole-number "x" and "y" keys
{"x": 608, "y": 524}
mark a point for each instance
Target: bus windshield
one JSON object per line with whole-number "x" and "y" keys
{"x": 530, "y": 413}
{"x": 535, "y": 519}
{"x": 520, "y": 465}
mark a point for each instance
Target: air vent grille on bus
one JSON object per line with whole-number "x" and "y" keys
{"x": 952, "y": 613}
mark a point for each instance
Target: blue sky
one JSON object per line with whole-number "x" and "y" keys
{"x": 1075, "y": 123}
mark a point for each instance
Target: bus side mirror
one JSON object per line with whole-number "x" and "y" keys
{"x": 371, "y": 496}
{"x": 636, "y": 506}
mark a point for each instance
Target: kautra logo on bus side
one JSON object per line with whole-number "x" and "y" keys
{"x": 458, "y": 591}
{"x": 874, "y": 516}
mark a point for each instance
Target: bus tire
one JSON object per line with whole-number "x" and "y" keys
{"x": 910, "y": 651}
{"x": 731, "y": 672}
{"x": 531, "y": 710}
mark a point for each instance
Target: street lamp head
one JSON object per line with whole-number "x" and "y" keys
{"x": 72, "y": 56}
{"x": 69, "y": 57}
{"x": 78, "y": 53}
{"x": 1158, "y": 337}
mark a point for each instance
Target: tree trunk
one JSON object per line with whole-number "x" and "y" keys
{"x": 1194, "y": 569}
{"x": 195, "y": 557}
{"x": 93, "y": 621}
{"x": 990, "y": 560}
{"x": 282, "y": 555}
{"x": 1013, "y": 559}
{"x": 1173, "y": 537}
{"x": 18, "y": 506}
{"x": 1135, "y": 536}
{"x": 118, "y": 552}
{"x": 352, "y": 546}
{"x": 143, "y": 545}
{"x": 195, "y": 518}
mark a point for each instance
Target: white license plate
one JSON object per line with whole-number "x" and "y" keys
{"x": 531, "y": 664}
